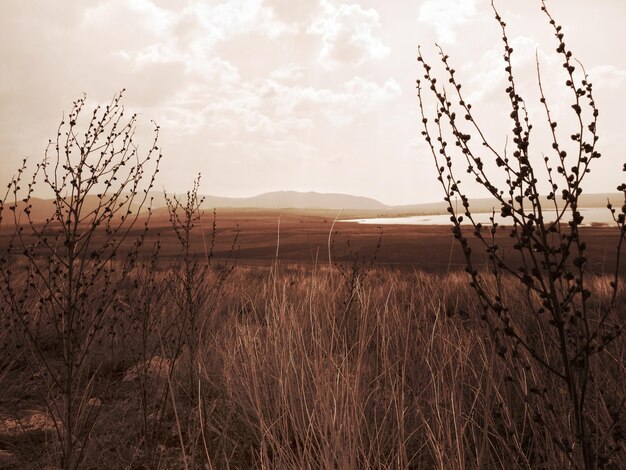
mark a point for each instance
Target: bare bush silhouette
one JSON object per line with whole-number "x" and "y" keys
{"x": 196, "y": 283}
{"x": 62, "y": 276}
{"x": 571, "y": 333}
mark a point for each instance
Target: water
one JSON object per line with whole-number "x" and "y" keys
{"x": 591, "y": 216}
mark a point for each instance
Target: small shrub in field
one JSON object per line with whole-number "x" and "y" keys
{"x": 569, "y": 332}
{"x": 61, "y": 275}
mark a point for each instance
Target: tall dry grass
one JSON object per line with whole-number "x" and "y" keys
{"x": 290, "y": 375}
{"x": 407, "y": 378}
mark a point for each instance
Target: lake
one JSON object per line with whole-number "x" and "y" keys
{"x": 591, "y": 216}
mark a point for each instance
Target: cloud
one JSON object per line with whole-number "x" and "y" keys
{"x": 233, "y": 17}
{"x": 289, "y": 73}
{"x": 273, "y": 110}
{"x": 340, "y": 107}
{"x": 292, "y": 12}
{"x": 150, "y": 31}
{"x": 168, "y": 60}
{"x": 263, "y": 113}
{"x": 348, "y": 34}
{"x": 446, "y": 15}
{"x": 607, "y": 76}
{"x": 488, "y": 74}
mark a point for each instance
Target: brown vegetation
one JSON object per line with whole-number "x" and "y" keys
{"x": 287, "y": 341}
{"x": 287, "y": 377}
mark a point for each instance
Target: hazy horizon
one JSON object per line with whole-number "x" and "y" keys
{"x": 268, "y": 95}
{"x": 313, "y": 200}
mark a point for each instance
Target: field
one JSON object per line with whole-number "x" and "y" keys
{"x": 141, "y": 329}
{"x": 273, "y": 356}
{"x": 303, "y": 238}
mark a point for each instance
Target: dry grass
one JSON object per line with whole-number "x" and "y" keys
{"x": 297, "y": 368}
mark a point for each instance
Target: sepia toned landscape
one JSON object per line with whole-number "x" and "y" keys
{"x": 278, "y": 315}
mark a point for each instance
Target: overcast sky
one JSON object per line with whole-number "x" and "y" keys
{"x": 265, "y": 95}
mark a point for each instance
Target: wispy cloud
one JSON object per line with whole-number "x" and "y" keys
{"x": 446, "y": 15}
{"x": 349, "y": 34}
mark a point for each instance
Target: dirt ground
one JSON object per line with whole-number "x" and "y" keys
{"x": 252, "y": 238}
{"x": 304, "y": 238}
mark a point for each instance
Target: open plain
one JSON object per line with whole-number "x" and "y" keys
{"x": 302, "y": 237}
{"x": 270, "y": 358}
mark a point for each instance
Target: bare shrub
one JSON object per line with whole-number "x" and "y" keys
{"x": 569, "y": 333}
{"x": 195, "y": 282}
{"x": 62, "y": 275}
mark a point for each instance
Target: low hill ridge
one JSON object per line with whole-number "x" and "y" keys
{"x": 278, "y": 200}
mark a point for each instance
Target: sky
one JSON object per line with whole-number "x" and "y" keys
{"x": 306, "y": 95}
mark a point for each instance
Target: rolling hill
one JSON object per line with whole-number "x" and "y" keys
{"x": 314, "y": 201}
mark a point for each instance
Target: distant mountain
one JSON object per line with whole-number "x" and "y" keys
{"x": 296, "y": 200}
{"x": 42, "y": 208}
{"x": 285, "y": 200}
